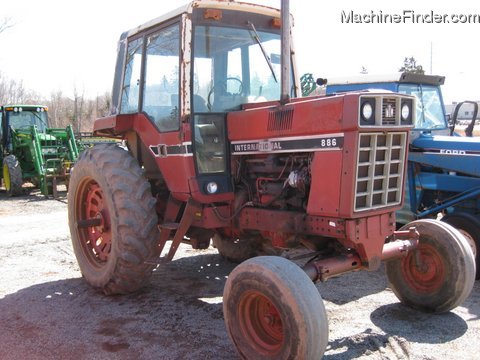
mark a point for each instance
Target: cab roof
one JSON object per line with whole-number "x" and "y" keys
{"x": 29, "y": 106}
{"x": 400, "y": 77}
{"x": 212, "y": 4}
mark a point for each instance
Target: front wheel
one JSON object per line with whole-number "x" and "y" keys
{"x": 112, "y": 219}
{"x": 439, "y": 274}
{"x": 12, "y": 175}
{"x": 469, "y": 226}
{"x": 273, "y": 310}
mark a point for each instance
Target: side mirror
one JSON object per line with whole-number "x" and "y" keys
{"x": 321, "y": 82}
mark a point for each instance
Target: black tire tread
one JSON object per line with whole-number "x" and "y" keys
{"x": 15, "y": 171}
{"x": 133, "y": 207}
{"x": 471, "y": 224}
{"x": 460, "y": 276}
{"x": 274, "y": 275}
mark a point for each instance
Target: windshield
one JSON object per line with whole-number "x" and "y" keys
{"x": 22, "y": 120}
{"x": 430, "y": 114}
{"x": 231, "y": 68}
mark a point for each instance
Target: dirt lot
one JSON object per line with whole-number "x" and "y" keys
{"x": 48, "y": 311}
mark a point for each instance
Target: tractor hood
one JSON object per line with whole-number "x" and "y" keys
{"x": 453, "y": 153}
{"x": 41, "y": 136}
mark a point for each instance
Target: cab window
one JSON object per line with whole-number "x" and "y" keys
{"x": 234, "y": 66}
{"x": 161, "y": 87}
{"x": 131, "y": 83}
{"x": 430, "y": 112}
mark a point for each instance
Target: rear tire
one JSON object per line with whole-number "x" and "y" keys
{"x": 445, "y": 275}
{"x": 235, "y": 250}
{"x": 468, "y": 225}
{"x": 107, "y": 186}
{"x": 272, "y": 310}
{"x": 12, "y": 175}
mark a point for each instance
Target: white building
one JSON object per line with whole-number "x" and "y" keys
{"x": 465, "y": 112}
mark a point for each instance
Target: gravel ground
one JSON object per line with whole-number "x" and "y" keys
{"x": 48, "y": 312}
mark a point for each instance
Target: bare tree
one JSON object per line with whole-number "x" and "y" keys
{"x": 56, "y": 109}
{"x": 5, "y": 23}
{"x": 77, "y": 109}
{"x": 13, "y": 91}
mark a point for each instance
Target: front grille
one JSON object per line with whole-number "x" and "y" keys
{"x": 380, "y": 170}
{"x": 389, "y": 110}
{"x": 386, "y": 110}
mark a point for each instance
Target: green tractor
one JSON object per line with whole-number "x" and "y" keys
{"x": 30, "y": 151}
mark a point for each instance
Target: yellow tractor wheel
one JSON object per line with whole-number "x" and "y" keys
{"x": 12, "y": 175}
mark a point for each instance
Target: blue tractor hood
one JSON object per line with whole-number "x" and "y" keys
{"x": 451, "y": 153}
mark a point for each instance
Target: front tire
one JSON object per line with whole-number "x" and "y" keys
{"x": 438, "y": 275}
{"x": 469, "y": 226}
{"x": 273, "y": 310}
{"x": 12, "y": 175}
{"x": 112, "y": 220}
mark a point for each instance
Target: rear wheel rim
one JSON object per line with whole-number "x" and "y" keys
{"x": 96, "y": 240}
{"x": 424, "y": 269}
{"x": 261, "y": 323}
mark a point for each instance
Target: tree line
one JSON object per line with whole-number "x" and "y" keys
{"x": 78, "y": 111}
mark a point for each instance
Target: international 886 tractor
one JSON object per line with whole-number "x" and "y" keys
{"x": 217, "y": 147}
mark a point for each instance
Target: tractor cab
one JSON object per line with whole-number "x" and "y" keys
{"x": 185, "y": 72}
{"x": 22, "y": 117}
{"x": 19, "y": 119}
{"x": 430, "y": 109}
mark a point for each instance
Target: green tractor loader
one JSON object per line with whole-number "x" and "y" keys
{"x": 30, "y": 151}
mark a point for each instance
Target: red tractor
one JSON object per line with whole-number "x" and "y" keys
{"x": 217, "y": 147}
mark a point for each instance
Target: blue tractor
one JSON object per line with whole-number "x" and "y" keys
{"x": 443, "y": 169}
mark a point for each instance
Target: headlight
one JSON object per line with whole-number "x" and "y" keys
{"x": 212, "y": 187}
{"x": 405, "y": 112}
{"x": 367, "y": 111}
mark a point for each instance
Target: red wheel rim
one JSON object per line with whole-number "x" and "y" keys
{"x": 260, "y": 323}
{"x": 96, "y": 239}
{"x": 424, "y": 269}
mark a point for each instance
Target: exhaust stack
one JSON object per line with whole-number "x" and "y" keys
{"x": 285, "y": 57}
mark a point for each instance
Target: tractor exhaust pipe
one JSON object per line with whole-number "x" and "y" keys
{"x": 285, "y": 57}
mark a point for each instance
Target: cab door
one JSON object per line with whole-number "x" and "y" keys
{"x": 151, "y": 91}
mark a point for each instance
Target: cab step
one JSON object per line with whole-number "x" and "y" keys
{"x": 180, "y": 229}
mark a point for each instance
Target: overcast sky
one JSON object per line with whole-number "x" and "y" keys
{"x": 58, "y": 45}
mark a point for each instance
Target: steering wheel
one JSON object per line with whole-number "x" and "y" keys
{"x": 223, "y": 85}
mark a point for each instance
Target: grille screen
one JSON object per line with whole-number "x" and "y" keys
{"x": 389, "y": 111}
{"x": 380, "y": 169}
{"x": 280, "y": 120}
